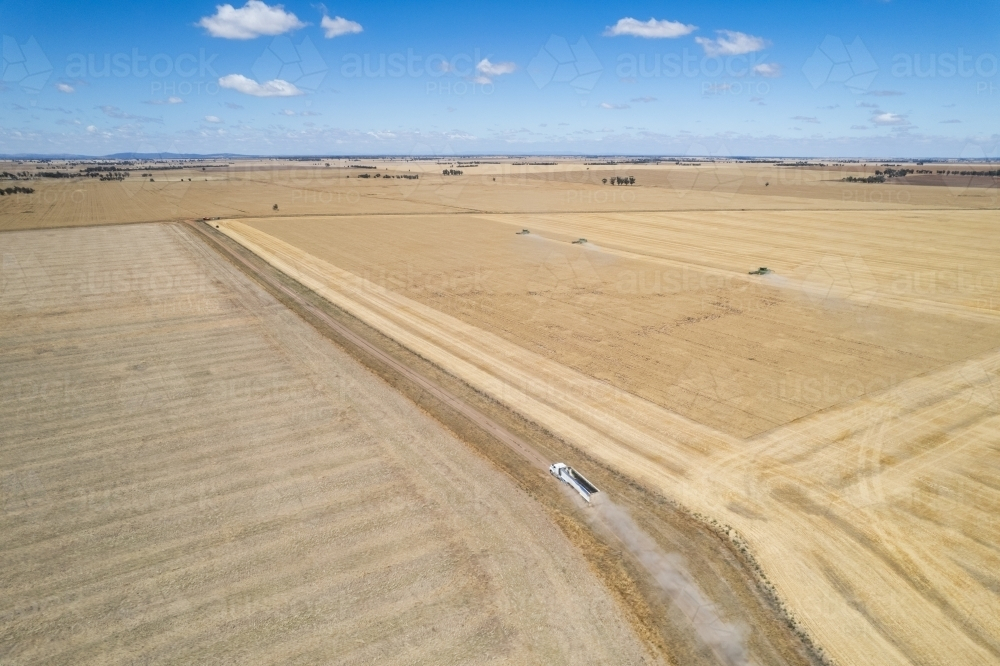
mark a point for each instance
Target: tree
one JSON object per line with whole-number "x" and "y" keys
{"x": 274, "y": 207}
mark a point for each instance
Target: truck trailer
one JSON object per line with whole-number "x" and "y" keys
{"x": 573, "y": 479}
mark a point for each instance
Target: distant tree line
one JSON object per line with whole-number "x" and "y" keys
{"x": 387, "y": 176}
{"x": 894, "y": 173}
{"x": 991, "y": 174}
{"x": 94, "y": 170}
{"x": 452, "y": 172}
{"x": 618, "y": 180}
{"x": 868, "y": 179}
{"x": 16, "y": 190}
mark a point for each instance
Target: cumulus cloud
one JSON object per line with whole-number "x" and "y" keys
{"x": 253, "y": 19}
{"x": 337, "y": 26}
{"x": 213, "y": 119}
{"x": 651, "y": 29}
{"x": 769, "y": 70}
{"x": 607, "y": 105}
{"x": 889, "y": 119}
{"x": 91, "y": 128}
{"x": 731, "y": 43}
{"x": 65, "y": 88}
{"x": 274, "y": 88}
{"x": 486, "y": 70}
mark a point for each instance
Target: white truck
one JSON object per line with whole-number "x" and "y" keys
{"x": 573, "y": 479}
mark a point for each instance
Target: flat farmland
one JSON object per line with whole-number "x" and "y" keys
{"x": 839, "y": 416}
{"x": 191, "y": 473}
{"x": 186, "y": 458}
{"x": 250, "y": 188}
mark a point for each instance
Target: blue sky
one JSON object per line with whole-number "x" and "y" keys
{"x": 851, "y": 78}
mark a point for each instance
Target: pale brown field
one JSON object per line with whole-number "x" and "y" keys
{"x": 192, "y": 474}
{"x": 839, "y": 417}
{"x": 250, "y": 189}
{"x": 842, "y": 414}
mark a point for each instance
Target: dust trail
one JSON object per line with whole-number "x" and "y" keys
{"x": 776, "y": 280}
{"x": 727, "y": 641}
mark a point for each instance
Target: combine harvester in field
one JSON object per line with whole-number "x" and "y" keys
{"x": 573, "y": 479}
{"x": 580, "y": 242}
{"x": 761, "y": 271}
{"x": 522, "y": 232}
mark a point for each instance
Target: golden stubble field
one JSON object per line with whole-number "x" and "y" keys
{"x": 842, "y": 414}
{"x": 250, "y": 188}
{"x": 191, "y": 473}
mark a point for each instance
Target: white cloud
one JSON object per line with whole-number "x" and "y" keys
{"x": 769, "y": 70}
{"x": 169, "y": 100}
{"x": 91, "y": 128}
{"x": 253, "y": 19}
{"x": 275, "y": 88}
{"x": 65, "y": 88}
{"x": 335, "y": 27}
{"x": 287, "y": 112}
{"x": 730, "y": 43}
{"x": 606, "y": 105}
{"x": 889, "y": 119}
{"x": 651, "y": 29}
{"x": 644, "y": 100}
{"x": 486, "y": 70}
{"x": 213, "y": 119}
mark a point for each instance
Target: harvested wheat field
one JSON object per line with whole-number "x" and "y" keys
{"x": 250, "y": 188}
{"x": 187, "y": 459}
{"x": 838, "y": 417}
{"x": 192, "y": 474}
